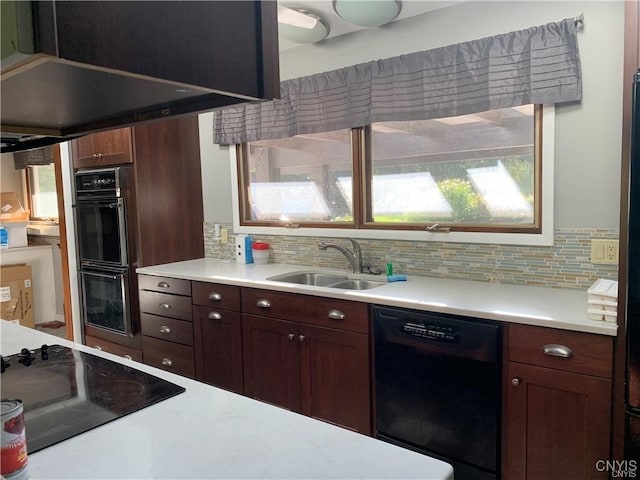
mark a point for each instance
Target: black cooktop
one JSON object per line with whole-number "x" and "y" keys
{"x": 66, "y": 392}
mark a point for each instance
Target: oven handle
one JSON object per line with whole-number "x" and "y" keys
{"x": 103, "y": 275}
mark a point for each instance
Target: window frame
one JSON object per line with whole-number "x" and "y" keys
{"x": 366, "y": 221}
{"x": 28, "y": 179}
{"x": 539, "y": 234}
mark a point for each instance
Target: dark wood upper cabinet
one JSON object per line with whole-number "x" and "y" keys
{"x": 80, "y": 67}
{"x": 103, "y": 149}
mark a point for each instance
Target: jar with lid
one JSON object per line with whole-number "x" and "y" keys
{"x": 260, "y": 252}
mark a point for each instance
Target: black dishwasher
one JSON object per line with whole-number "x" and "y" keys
{"x": 437, "y": 387}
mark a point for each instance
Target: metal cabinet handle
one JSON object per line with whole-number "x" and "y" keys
{"x": 128, "y": 357}
{"x": 97, "y": 347}
{"x": 215, "y": 316}
{"x": 336, "y": 315}
{"x": 163, "y": 285}
{"x": 290, "y": 336}
{"x": 164, "y": 306}
{"x": 215, "y": 297}
{"x": 515, "y": 381}
{"x": 167, "y": 362}
{"x": 301, "y": 337}
{"x": 165, "y": 329}
{"x": 263, "y": 303}
{"x": 556, "y": 350}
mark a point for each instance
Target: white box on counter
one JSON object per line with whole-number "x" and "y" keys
{"x": 603, "y": 290}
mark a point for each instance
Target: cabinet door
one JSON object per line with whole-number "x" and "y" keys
{"x": 557, "y": 424}
{"x": 271, "y": 361}
{"x": 218, "y": 335}
{"x": 335, "y": 381}
{"x": 102, "y": 149}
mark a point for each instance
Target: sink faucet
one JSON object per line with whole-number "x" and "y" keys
{"x": 355, "y": 257}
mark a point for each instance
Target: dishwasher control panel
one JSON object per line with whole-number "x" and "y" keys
{"x": 433, "y": 332}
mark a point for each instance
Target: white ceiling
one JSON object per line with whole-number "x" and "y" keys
{"x": 337, "y": 26}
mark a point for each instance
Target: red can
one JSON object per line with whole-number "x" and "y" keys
{"x": 14, "y": 442}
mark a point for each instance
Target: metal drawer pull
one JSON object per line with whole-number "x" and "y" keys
{"x": 167, "y": 362}
{"x": 215, "y": 296}
{"x": 290, "y": 336}
{"x": 215, "y": 316}
{"x": 263, "y": 303}
{"x": 515, "y": 381}
{"x": 556, "y": 350}
{"x": 165, "y": 306}
{"x": 301, "y": 337}
{"x": 163, "y": 285}
{"x": 128, "y": 357}
{"x": 165, "y": 329}
{"x": 336, "y": 315}
{"x": 97, "y": 347}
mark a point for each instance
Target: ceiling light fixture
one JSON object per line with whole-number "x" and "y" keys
{"x": 367, "y": 13}
{"x": 296, "y": 18}
{"x": 301, "y": 26}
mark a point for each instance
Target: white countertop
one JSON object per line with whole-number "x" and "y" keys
{"x": 209, "y": 433}
{"x": 546, "y": 307}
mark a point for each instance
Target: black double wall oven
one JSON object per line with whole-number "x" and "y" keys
{"x": 103, "y": 197}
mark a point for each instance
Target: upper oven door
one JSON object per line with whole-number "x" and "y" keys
{"x": 101, "y": 232}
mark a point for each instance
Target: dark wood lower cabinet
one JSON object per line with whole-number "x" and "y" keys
{"x": 271, "y": 361}
{"x": 218, "y": 347}
{"x": 169, "y": 356}
{"x": 116, "y": 349}
{"x": 334, "y": 377}
{"x": 316, "y": 371}
{"x": 556, "y": 422}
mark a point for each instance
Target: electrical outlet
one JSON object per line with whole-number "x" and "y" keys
{"x": 223, "y": 236}
{"x": 604, "y": 252}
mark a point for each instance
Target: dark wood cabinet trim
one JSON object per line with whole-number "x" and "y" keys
{"x": 631, "y": 66}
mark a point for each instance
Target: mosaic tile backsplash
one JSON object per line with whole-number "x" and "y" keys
{"x": 566, "y": 264}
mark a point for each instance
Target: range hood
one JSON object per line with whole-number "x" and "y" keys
{"x": 74, "y": 67}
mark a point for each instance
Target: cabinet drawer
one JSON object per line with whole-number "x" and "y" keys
{"x": 326, "y": 312}
{"x": 590, "y": 354}
{"x": 164, "y": 284}
{"x": 114, "y": 348}
{"x": 226, "y": 297}
{"x": 165, "y": 305}
{"x": 169, "y": 356}
{"x": 168, "y": 329}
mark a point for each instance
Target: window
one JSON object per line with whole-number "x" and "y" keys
{"x": 470, "y": 173}
{"x": 298, "y": 180}
{"x": 41, "y": 184}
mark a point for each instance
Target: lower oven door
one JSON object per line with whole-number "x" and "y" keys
{"x": 106, "y": 299}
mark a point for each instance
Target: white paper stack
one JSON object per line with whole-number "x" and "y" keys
{"x": 603, "y": 300}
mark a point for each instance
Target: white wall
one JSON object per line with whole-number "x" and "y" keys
{"x": 588, "y": 135}
{"x": 216, "y": 175}
{"x": 10, "y": 178}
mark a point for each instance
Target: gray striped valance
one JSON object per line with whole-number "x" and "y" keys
{"x": 37, "y": 156}
{"x": 539, "y": 65}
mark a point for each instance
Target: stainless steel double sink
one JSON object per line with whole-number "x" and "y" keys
{"x": 323, "y": 279}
